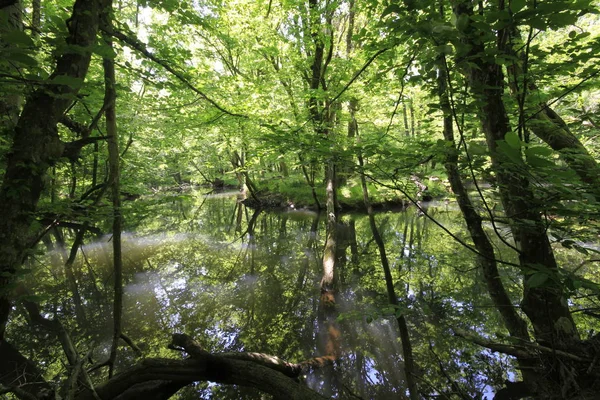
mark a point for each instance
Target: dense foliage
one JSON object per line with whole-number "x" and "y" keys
{"x": 115, "y": 115}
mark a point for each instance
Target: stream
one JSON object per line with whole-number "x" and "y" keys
{"x": 238, "y": 279}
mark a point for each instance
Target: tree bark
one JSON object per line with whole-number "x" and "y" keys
{"x": 486, "y": 257}
{"x": 545, "y": 305}
{"x": 160, "y": 378}
{"x": 37, "y": 146}
{"x": 10, "y": 102}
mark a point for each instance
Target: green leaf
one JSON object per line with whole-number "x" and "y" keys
{"x": 21, "y": 58}
{"x": 537, "y": 280}
{"x": 445, "y": 49}
{"x": 104, "y": 51}
{"x": 517, "y": 5}
{"x": 513, "y": 140}
{"x": 392, "y": 8}
{"x": 513, "y": 154}
{"x": 581, "y": 250}
{"x": 568, "y": 243}
{"x": 536, "y": 161}
{"x": 538, "y": 23}
{"x": 477, "y": 149}
{"x": 18, "y": 38}
{"x": 462, "y": 23}
{"x": 539, "y": 151}
{"x": 559, "y": 20}
{"x": 67, "y": 81}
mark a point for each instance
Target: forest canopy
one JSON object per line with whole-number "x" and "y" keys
{"x": 299, "y": 199}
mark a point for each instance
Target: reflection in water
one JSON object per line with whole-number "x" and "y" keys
{"x": 243, "y": 280}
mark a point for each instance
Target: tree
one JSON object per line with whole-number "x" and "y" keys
{"x": 300, "y": 101}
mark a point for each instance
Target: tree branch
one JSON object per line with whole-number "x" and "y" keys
{"x": 72, "y": 149}
{"x": 140, "y": 47}
{"x": 206, "y": 367}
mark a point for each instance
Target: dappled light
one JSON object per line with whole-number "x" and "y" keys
{"x": 299, "y": 199}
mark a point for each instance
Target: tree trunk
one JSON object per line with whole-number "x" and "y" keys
{"x": 10, "y": 101}
{"x": 547, "y": 125}
{"x": 110, "y": 98}
{"x": 330, "y": 335}
{"x": 486, "y": 257}
{"x": 545, "y": 305}
{"x": 37, "y": 147}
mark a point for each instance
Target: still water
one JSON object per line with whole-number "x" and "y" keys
{"x": 238, "y": 279}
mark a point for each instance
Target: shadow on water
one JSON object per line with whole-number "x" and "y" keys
{"x": 238, "y": 279}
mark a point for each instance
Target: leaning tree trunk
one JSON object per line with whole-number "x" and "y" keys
{"x": 486, "y": 257}
{"x": 547, "y": 125}
{"x": 545, "y": 305}
{"x": 37, "y": 146}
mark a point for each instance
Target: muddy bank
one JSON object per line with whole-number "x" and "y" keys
{"x": 276, "y": 201}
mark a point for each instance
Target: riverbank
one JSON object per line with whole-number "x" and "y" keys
{"x": 289, "y": 195}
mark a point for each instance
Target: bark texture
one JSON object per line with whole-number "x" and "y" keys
{"x": 545, "y": 305}
{"x": 160, "y": 378}
{"x": 37, "y": 146}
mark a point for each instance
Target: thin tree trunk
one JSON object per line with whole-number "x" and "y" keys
{"x": 72, "y": 281}
{"x": 329, "y": 330}
{"x": 110, "y": 97}
{"x": 95, "y": 165}
{"x": 238, "y": 162}
{"x": 405, "y": 117}
{"x": 310, "y": 179}
{"x": 11, "y": 99}
{"x": 36, "y": 16}
{"x": 412, "y": 117}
